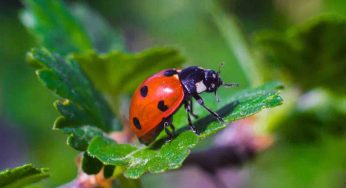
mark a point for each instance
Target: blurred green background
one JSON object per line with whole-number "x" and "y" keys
{"x": 310, "y": 148}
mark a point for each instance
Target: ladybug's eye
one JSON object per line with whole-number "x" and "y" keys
{"x": 211, "y": 80}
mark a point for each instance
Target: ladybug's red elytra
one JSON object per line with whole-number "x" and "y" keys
{"x": 161, "y": 95}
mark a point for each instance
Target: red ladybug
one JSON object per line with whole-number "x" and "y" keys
{"x": 161, "y": 95}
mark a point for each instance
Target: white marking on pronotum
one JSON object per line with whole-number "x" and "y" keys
{"x": 200, "y": 87}
{"x": 214, "y": 75}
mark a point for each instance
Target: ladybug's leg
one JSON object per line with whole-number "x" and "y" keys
{"x": 191, "y": 109}
{"x": 166, "y": 124}
{"x": 201, "y": 102}
{"x": 172, "y": 127}
{"x": 188, "y": 110}
{"x": 170, "y": 120}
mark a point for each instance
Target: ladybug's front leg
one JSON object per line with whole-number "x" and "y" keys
{"x": 188, "y": 108}
{"x": 201, "y": 102}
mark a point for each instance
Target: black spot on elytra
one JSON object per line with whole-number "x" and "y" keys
{"x": 161, "y": 106}
{"x": 137, "y": 123}
{"x": 144, "y": 91}
{"x": 170, "y": 72}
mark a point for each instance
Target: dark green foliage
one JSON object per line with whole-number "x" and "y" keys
{"x": 101, "y": 34}
{"x": 311, "y": 128}
{"x": 55, "y": 27}
{"x": 80, "y": 104}
{"x": 79, "y": 136}
{"x": 64, "y": 29}
{"x": 310, "y": 55}
{"x": 22, "y": 176}
{"x": 91, "y": 165}
{"x": 108, "y": 171}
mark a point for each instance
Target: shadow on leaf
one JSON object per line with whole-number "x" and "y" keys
{"x": 201, "y": 124}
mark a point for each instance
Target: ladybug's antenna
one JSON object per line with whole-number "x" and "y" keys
{"x": 221, "y": 66}
{"x": 228, "y": 85}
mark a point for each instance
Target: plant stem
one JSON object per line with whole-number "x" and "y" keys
{"x": 235, "y": 40}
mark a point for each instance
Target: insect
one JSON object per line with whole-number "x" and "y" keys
{"x": 161, "y": 95}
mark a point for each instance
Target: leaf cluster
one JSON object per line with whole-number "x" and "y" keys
{"x": 309, "y": 55}
{"x": 22, "y": 176}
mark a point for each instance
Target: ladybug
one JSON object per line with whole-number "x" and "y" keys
{"x": 161, "y": 95}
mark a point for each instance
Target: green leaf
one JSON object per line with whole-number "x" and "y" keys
{"x": 79, "y": 136}
{"x": 102, "y": 35}
{"x": 54, "y": 26}
{"x": 117, "y": 72}
{"x": 161, "y": 156}
{"x": 22, "y": 176}
{"x": 316, "y": 48}
{"x": 64, "y": 29}
{"x": 84, "y": 111}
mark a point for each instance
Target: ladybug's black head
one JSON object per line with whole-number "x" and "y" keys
{"x": 197, "y": 80}
{"x": 212, "y": 80}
